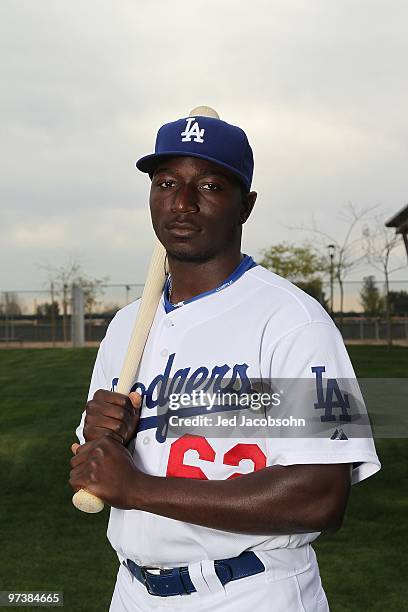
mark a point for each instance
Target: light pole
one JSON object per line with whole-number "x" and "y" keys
{"x": 331, "y": 249}
{"x": 64, "y": 312}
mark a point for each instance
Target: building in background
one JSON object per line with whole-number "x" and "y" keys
{"x": 400, "y": 222}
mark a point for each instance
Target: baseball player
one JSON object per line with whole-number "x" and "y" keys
{"x": 203, "y": 521}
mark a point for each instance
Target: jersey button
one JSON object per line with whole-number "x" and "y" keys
{"x": 168, "y": 323}
{"x": 164, "y": 353}
{"x": 146, "y": 440}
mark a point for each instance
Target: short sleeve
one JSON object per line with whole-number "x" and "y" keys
{"x": 313, "y": 361}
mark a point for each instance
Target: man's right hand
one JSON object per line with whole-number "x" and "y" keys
{"x": 112, "y": 414}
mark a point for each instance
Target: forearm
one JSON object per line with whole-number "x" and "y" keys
{"x": 275, "y": 500}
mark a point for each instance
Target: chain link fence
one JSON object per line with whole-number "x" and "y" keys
{"x": 45, "y": 317}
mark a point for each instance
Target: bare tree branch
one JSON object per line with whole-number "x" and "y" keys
{"x": 380, "y": 244}
{"x": 349, "y": 253}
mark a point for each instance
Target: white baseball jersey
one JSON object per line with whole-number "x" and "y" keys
{"x": 257, "y": 326}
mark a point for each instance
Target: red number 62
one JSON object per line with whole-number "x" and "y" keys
{"x": 177, "y": 467}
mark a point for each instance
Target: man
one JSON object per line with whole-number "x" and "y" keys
{"x": 210, "y": 521}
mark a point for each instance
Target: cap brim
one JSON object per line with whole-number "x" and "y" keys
{"x": 148, "y": 163}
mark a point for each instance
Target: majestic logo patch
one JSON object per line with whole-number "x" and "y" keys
{"x": 339, "y": 435}
{"x": 192, "y": 130}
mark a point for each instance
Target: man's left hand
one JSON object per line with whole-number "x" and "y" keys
{"x": 105, "y": 468}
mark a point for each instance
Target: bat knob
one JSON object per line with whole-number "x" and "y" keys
{"x": 85, "y": 501}
{"x": 204, "y": 111}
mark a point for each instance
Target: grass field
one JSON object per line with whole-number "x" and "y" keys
{"x": 47, "y": 545}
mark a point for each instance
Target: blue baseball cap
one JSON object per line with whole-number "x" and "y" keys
{"x": 207, "y": 138}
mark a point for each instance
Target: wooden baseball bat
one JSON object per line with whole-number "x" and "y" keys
{"x": 82, "y": 499}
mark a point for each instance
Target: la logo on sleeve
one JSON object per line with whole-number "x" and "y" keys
{"x": 334, "y": 397}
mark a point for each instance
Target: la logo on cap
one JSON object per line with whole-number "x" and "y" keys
{"x": 192, "y": 130}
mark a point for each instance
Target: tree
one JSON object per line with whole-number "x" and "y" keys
{"x": 398, "y": 303}
{"x": 370, "y": 297}
{"x": 292, "y": 262}
{"x": 302, "y": 265}
{"x": 48, "y": 309}
{"x": 110, "y": 308}
{"x": 11, "y": 305}
{"x": 62, "y": 278}
{"x": 348, "y": 250}
{"x": 92, "y": 288}
{"x": 380, "y": 244}
{"x": 314, "y": 288}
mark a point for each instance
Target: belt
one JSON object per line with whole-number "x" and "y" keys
{"x": 177, "y": 581}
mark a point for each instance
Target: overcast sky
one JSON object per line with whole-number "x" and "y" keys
{"x": 319, "y": 86}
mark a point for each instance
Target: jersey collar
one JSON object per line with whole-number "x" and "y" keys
{"x": 246, "y": 264}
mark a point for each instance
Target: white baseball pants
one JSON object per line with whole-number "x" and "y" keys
{"x": 270, "y": 591}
